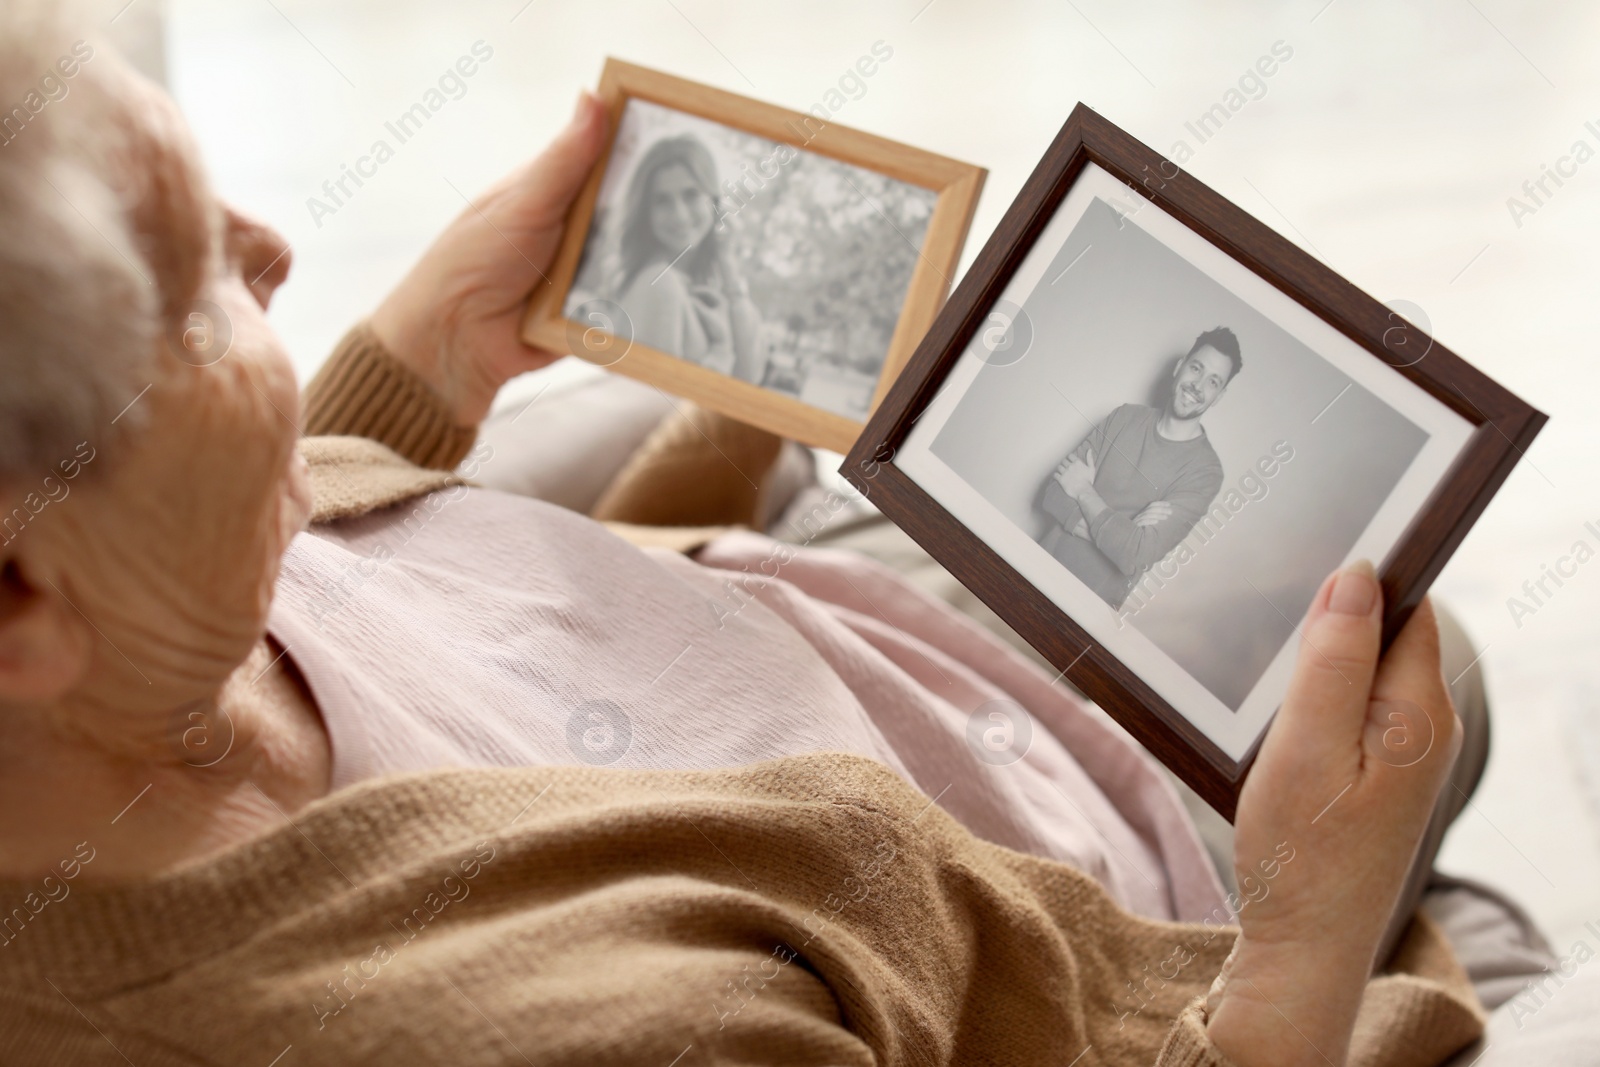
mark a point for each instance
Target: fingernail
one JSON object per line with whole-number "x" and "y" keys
{"x": 1355, "y": 591}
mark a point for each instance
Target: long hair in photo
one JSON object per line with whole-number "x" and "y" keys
{"x": 639, "y": 245}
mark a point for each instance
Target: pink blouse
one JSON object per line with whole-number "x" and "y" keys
{"x": 477, "y": 628}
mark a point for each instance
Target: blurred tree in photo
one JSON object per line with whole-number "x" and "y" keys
{"x": 831, "y": 249}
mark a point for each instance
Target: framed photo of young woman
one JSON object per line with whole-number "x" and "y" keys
{"x": 1146, "y": 426}
{"x": 769, "y": 264}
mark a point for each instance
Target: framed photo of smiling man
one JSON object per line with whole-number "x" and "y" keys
{"x": 1146, "y": 427}
{"x": 774, "y": 265}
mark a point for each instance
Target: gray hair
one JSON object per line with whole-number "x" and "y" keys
{"x": 80, "y": 309}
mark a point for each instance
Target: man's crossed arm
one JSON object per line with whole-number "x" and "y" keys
{"x": 1133, "y": 543}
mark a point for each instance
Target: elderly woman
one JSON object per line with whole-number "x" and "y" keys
{"x": 458, "y": 776}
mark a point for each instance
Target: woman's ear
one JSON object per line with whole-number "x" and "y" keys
{"x": 44, "y": 643}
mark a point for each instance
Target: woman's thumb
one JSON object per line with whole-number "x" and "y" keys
{"x": 1338, "y": 656}
{"x": 547, "y": 186}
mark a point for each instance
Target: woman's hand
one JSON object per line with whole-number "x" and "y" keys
{"x": 744, "y": 318}
{"x": 711, "y": 309}
{"x": 454, "y": 318}
{"x": 1328, "y": 824}
{"x": 733, "y": 281}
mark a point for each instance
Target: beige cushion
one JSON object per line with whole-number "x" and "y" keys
{"x": 568, "y": 443}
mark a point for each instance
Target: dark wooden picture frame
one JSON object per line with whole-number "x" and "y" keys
{"x": 1502, "y": 428}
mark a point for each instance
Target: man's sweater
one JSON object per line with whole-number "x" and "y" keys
{"x": 1134, "y": 466}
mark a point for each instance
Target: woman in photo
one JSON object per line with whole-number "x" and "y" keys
{"x": 679, "y": 284}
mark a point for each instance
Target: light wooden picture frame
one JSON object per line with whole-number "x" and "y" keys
{"x": 812, "y": 374}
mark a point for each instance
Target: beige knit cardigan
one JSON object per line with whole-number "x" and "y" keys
{"x": 810, "y": 910}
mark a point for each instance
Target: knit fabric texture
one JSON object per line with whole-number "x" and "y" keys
{"x": 815, "y": 909}
{"x": 811, "y": 910}
{"x": 362, "y": 390}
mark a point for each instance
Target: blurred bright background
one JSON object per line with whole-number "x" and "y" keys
{"x": 1387, "y": 145}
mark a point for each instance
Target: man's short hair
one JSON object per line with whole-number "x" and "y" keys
{"x": 1223, "y": 340}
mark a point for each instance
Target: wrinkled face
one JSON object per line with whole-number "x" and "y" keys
{"x": 172, "y": 552}
{"x": 681, "y": 212}
{"x": 1199, "y": 381}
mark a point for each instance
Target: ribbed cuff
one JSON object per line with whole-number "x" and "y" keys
{"x": 1188, "y": 1045}
{"x": 363, "y": 391}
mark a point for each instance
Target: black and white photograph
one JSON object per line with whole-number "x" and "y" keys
{"x": 756, "y": 259}
{"x": 1175, "y": 452}
{"x": 879, "y": 532}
